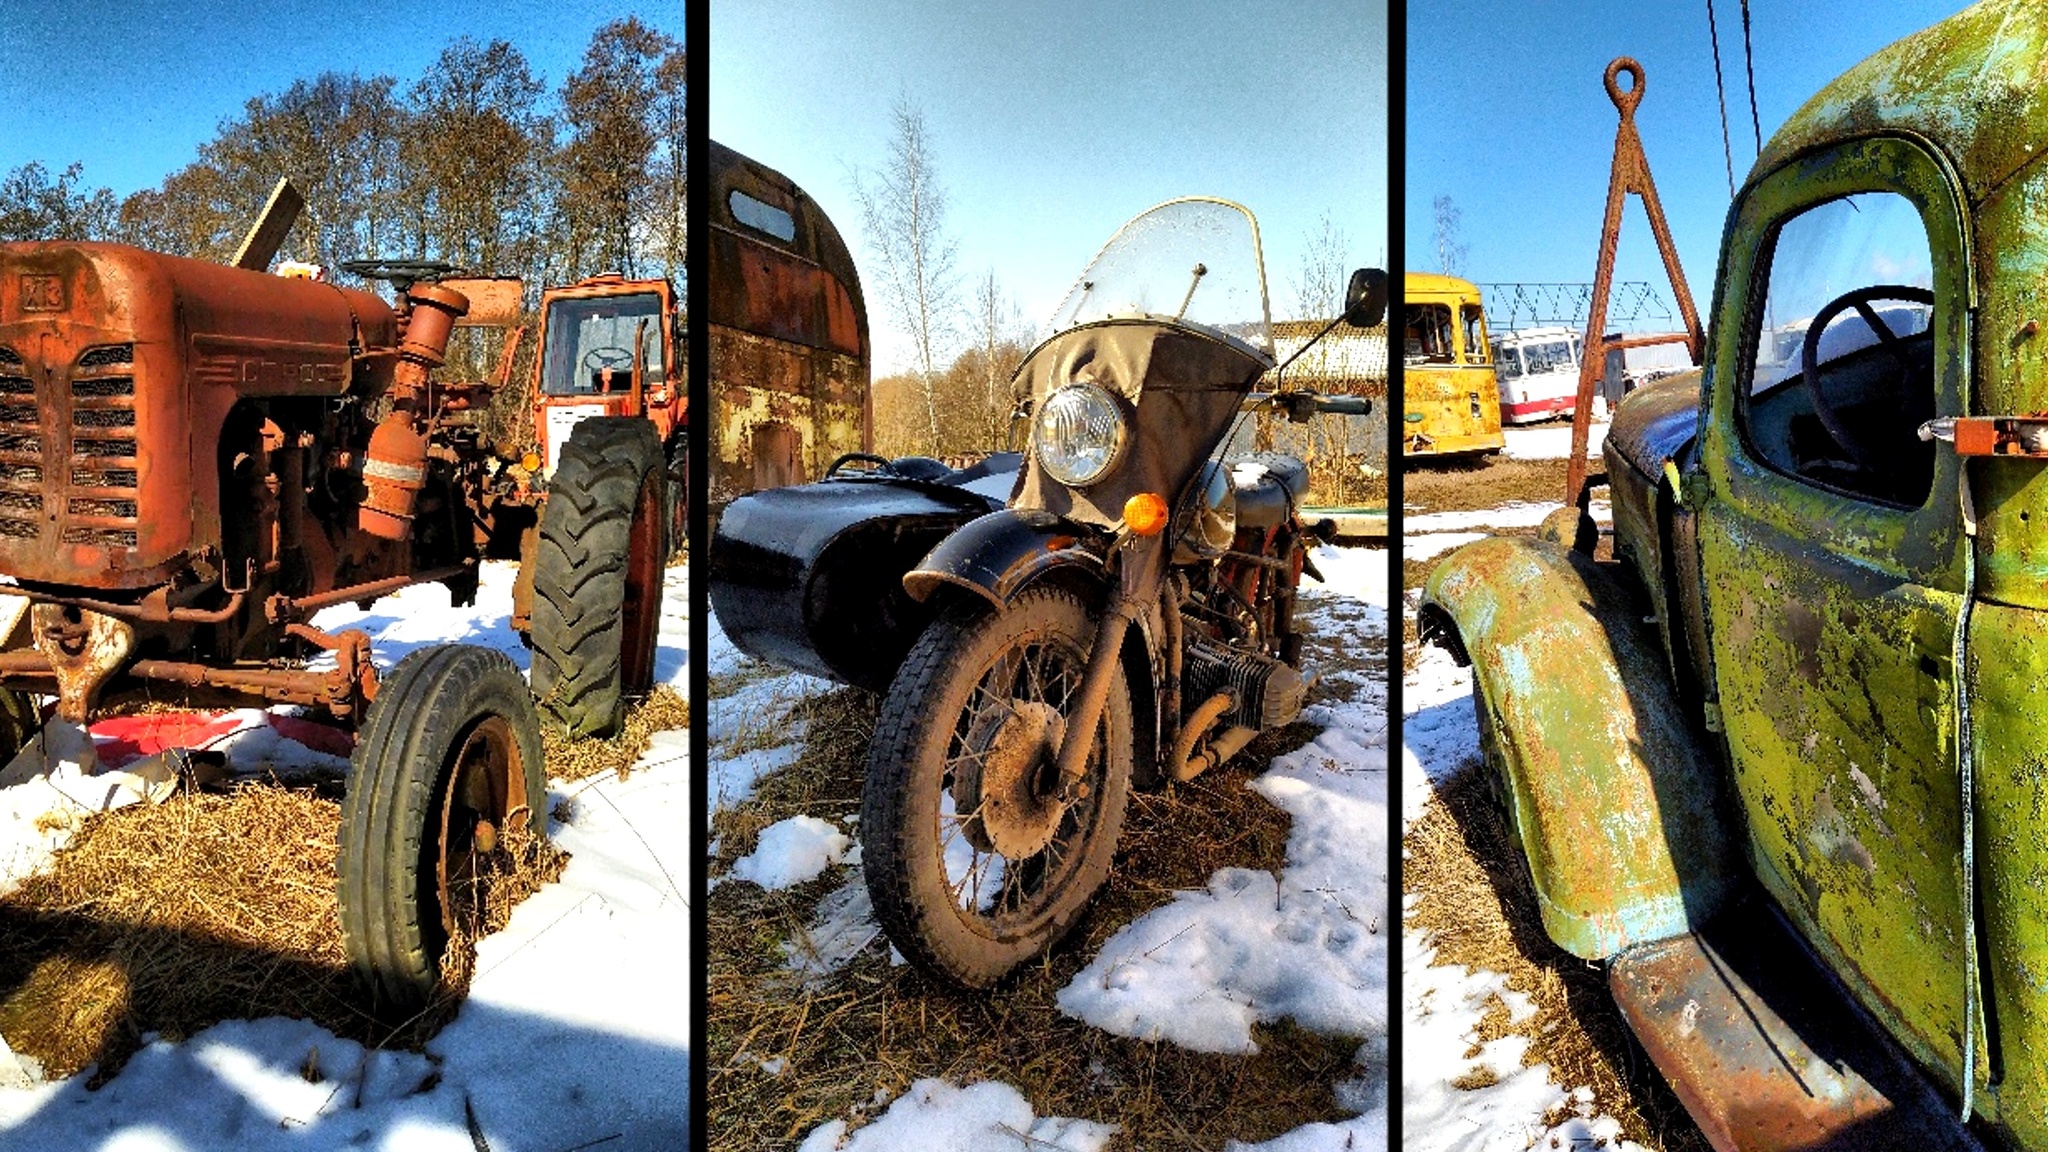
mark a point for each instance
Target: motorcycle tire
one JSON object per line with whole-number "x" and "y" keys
{"x": 597, "y": 579}
{"x": 450, "y": 746}
{"x": 948, "y": 739}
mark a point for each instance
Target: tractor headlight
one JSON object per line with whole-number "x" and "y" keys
{"x": 1080, "y": 434}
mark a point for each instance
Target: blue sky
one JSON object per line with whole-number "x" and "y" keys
{"x": 1506, "y": 114}
{"x": 132, "y": 89}
{"x": 1052, "y": 123}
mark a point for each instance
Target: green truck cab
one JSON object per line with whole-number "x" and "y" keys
{"x": 1782, "y": 765}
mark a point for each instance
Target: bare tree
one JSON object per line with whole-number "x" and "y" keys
{"x": 1320, "y": 282}
{"x": 903, "y": 209}
{"x": 995, "y": 327}
{"x": 1450, "y": 253}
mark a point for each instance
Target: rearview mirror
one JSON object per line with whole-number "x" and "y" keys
{"x": 1365, "y": 301}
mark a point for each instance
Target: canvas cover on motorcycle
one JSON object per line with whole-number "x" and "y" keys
{"x": 1184, "y": 385}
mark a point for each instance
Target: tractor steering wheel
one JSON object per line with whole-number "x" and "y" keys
{"x": 1809, "y": 374}
{"x": 402, "y": 273}
{"x": 608, "y": 356}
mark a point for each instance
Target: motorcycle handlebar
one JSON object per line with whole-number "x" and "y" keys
{"x": 1299, "y": 404}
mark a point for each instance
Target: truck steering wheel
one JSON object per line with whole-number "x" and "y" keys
{"x": 1809, "y": 374}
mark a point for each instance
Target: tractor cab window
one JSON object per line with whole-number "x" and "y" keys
{"x": 1475, "y": 333}
{"x": 1429, "y": 339}
{"x": 1842, "y": 372}
{"x": 589, "y": 349}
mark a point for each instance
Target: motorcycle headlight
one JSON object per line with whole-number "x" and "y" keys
{"x": 1079, "y": 434}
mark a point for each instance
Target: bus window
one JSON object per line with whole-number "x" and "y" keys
{"x": 1475, "y": 333}
{"x": 1507, "y": 362}
{"x": 1429, "y": 334}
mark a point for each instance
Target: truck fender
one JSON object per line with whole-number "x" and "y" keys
{"x": 999, "y": 555}
{"x": 1617, "y": 803}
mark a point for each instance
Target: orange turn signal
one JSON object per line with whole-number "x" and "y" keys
{"x": 1145, "y": 514}
{"x": 530, "y": 461}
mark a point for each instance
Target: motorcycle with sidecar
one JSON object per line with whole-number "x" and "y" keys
{"x": 1111, "y": 607}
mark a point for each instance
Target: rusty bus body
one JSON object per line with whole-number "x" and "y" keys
{"x": 789, "y": 334}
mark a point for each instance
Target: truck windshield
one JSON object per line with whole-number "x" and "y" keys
{"x": 588, "y": 335}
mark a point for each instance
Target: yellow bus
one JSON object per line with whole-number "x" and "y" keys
{"x": 1450, "y": 400}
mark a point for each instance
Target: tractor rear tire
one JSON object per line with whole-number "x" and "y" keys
{"x": 597, "y": 575}
{"x": 448, "y": 764}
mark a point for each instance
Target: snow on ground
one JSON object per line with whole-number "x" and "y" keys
{"x": 935, "y": 1116}
{"x": 1309, "y": 944}
{"x": 1552, "y": 441}
{"x": 575, "y": 1032}
{"x": 1442, "y": 1004}
{"x": 791, "y": 852}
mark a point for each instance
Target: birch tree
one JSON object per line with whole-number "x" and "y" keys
{"x": 903, "y": 210}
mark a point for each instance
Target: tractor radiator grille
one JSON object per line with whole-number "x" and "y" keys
{"x": 101, "y": 504}
{"x": 21, "y": 449}
{"x": 68, "y": 470}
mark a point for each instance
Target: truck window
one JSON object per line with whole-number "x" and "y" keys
{"x": 1429, "y": 334}
{"x": 1475, "y": 333}
{"x": 588, "y": 335}
{"x": 1853, "y": 277}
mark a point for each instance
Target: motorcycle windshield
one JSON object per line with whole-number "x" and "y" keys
{"x": 1194, "y": 261}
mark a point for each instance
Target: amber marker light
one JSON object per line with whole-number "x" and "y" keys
{"x": 530, "y": 461}
{"x": 1145, "y": 514}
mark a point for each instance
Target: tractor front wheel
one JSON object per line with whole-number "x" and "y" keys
{"x": 446, "y": 769}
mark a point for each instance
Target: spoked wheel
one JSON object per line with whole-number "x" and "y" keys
{"x": 977, "y": 856}
{"x": 445, "y": 771}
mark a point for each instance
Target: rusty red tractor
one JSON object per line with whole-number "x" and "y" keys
{"x": 196, "y": 458}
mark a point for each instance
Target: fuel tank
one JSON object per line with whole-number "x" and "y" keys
{"x": 117, "y": 369}
{"x": 810, "y": 578}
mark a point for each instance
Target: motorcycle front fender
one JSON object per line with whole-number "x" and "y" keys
{"x": 999, "y": 555}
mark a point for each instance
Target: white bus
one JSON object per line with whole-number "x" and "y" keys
{"x": 1538, "y": 373}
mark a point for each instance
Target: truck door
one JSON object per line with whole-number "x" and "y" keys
{"x": 1831, "y": 553}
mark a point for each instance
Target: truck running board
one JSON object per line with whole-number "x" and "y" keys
{"x": 1767, "y": 1051}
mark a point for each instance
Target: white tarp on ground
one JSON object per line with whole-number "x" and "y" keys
{"x": 576, "y": 1029}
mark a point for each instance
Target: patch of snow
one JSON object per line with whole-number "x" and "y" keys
{"x": 841, "y": 928}
{"x": 791, "y": 852}
{"x": 1309, "y": 944}
{"x": 1429, "y": 544}
{"x": 935, "y": 1116}
{"x": 1515, "y": 514}
{"x": 1552, "y": 441}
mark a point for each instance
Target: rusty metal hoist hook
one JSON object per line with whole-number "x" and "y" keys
{"x": 1631, "y": 173}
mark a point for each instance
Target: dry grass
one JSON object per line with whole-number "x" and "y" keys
{"x": 1488, "y": 482}
{"x": 1480, "y": 910}
{"x": 663, "y": 709}
{"x": 169, "y": 918}
{"x": 874, "y": 1029}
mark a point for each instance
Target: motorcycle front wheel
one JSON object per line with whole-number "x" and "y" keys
{"x": 977, "y": 858}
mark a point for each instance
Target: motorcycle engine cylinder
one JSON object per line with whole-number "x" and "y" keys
{"x": 1269, "y": 693}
